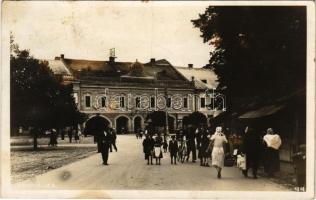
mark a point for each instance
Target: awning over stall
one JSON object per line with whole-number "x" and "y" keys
{"x": 261, "y": 112}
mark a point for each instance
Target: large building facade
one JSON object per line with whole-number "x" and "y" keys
{"x": 124, "y": 93}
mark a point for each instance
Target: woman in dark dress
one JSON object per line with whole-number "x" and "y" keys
{"x": 272, "y": 143}
{"x": 157, "y": 149}
{"x": 252, "y": 148}
{"x": 204, "y": 143}
{"x": 148, "y": 146}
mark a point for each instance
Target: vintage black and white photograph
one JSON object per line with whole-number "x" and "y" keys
{"x": 157, "y": 99}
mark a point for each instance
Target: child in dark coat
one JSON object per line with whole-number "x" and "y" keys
{"x": 173, "y": 149}
{"x": 165, "y": 146}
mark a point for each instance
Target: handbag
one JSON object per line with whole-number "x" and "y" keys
{"x": 241, "y": 161}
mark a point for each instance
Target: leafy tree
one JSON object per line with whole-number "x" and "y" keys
{"x": 196, "y": 119}
{"x": 260, "y": 52}
{"x": 38, "y": 97}
{"x": 158, "y": 118}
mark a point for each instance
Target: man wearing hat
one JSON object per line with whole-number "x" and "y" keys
{"x": 105, "y": 141}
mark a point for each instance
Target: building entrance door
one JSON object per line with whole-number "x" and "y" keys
{"x": 122, "y": 125}
{"x": 137, "y": 124}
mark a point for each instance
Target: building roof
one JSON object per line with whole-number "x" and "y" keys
{"x": 113, "y": 71}
{"x": 200, "y": 75}
{"x": 58, "y": 67}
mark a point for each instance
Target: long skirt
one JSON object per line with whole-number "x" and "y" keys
{"x": 218, "y": 157}
{"x": 271, "y": 160}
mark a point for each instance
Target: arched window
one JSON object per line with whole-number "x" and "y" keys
{"x": 137, "y": 102}
{"x": 87, "y": 101}
{"x": 103, "y": 102}
{"x": 122, "y": 102}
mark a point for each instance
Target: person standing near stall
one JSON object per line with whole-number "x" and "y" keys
{"x": 272, "y": 144}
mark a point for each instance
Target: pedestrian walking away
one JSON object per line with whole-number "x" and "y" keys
{"x": 53, "y": 138}
{"x": 141, "y": 134}
{"x": 272, "y": 143}
{"x": 165, "y": 146}
{"x": 198, "y": 135}
{"x": 173, "y": 149}
{"x": 148, "y": 147}
{"x": 70, "y": 134}
{"x": 218, "y": 139}
{"x": 76, "y": 134}
{"x": 182, "y": 151}
{"x": 113, "y": 135}
{"x": 62, "y": 134}
{"x": 190, "y": 136}
{"x": 252, "y": 148}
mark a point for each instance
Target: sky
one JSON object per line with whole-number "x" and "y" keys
{"x": 87, "y": 30}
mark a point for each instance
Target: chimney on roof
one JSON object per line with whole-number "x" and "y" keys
{"x": 152, "y": 60}
{"x": 112, "y": 55}
{"x": 62, "y": 56}
{"x": 112, "y": 59}
{"x": 190, "y": 66}
{"x": 192, "y": 78}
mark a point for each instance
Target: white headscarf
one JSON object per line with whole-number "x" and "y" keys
{"x": 273, "y": 140}
{"x": 218, "y": 130}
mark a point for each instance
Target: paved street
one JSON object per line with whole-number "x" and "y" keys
{"x": 128, "y": 170}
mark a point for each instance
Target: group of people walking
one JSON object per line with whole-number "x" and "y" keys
{"x": 186, "y": 144}
{"x": 212, "y": 147}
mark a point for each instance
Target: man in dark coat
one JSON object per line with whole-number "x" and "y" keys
{"x": 252, "y": 147}
{"x": 173, "y": 149}
{"x": 105, "y": 140}
{"x": 190, "y": 137}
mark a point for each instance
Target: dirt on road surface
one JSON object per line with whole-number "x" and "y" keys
{"x": 27, "y": 163}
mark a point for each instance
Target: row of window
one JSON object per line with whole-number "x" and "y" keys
{"x": 138, "y": 102}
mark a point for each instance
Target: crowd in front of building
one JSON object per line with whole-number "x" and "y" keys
{"x": 209, "y": 145}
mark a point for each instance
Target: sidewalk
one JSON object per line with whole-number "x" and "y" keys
{"x": 285, "y": 177}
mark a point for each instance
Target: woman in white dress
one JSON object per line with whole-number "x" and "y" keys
{"x": 218, "y": 139}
